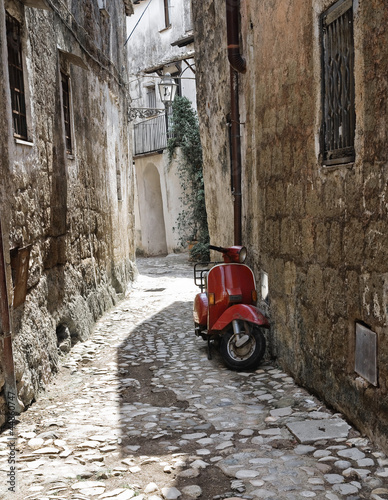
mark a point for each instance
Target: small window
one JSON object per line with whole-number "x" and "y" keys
{"x": 338, "y": 128}
{"x": 167, "y": 22}
{"x": 151, "y": 97}
{"x": 16, "y": 77}
{"x": 119, "y": 189}
{"x": 177, "y": 80}
{"x": 67, "y": 111}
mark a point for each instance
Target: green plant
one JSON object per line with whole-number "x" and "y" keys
{"x": 192, "y": 220}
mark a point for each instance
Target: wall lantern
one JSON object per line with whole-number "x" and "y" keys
{"x": 167, "y": 89}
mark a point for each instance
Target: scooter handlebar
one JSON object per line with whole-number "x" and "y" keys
{"x": 218, "y": 249}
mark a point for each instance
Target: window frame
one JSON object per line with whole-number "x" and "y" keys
{"x": 338, "y": 84}
{"x": 176, "y": 76}
{"x": 119, "y": 186}
{"x": 16, "y": 79}
{"x": 167, "y": 17}
{"x": 151, "y": 96}
{"x": 67, "y": 114}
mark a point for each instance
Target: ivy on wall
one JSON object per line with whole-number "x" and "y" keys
{"x": 192, "y": 219}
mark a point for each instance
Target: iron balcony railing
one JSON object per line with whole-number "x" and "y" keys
{"x": 150, "y": 135}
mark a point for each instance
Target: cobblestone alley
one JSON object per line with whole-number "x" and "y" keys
{"x": 139, "y": 411}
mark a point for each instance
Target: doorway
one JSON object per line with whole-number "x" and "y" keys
{"x": 151, "y": 213}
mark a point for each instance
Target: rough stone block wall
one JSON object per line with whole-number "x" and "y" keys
{"x": 212, "y": 100}
{"x": 320, "y": 233}
{"x": 66, "y": 206}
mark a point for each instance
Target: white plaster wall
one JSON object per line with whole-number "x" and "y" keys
{"x": 151, "y": 39}
{"x": 149, "y": 47}
{"x": 151, "y": 211}
{"x": 170, "y": 191}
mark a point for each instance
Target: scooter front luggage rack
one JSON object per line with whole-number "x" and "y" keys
{"x": 200, "y": 272}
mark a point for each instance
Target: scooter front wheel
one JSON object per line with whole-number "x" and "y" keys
{"x": 245, "y": 350}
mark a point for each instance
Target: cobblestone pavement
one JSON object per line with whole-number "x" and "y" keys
{"x": 139, "y": 411}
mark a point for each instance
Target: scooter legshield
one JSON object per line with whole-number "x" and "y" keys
{"x": 243, "y": 312}
{"x": 200, "y": 309}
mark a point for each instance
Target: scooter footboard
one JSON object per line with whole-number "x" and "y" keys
{"x": 243, "y": 312}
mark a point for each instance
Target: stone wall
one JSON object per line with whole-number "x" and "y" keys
{"x": 320, "y": 233}
{"x": 213, "y": 107}
{"x": 75, "y": 210}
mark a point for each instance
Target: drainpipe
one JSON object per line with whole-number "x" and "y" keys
{"x": 237, "y": 65}
{"x": 232, "y": 26}
{"x": 10, "y": 391}
{"x": 236, "y": 155}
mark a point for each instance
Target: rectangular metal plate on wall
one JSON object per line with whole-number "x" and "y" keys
{"x": 366, "y": 353}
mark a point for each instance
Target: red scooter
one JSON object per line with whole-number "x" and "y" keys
{"x": 226, "y": 311}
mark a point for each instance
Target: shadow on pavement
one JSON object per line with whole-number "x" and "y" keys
{"x": 156, "y": 424}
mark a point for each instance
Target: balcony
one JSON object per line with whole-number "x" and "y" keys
{"x": 150, "y": 135}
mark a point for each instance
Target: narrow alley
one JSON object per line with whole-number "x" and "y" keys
{"x": 139, "y": 411}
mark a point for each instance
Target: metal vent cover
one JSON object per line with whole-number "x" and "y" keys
{"x": 366, "y": 353}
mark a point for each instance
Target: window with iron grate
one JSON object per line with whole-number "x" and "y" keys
{"x": 16, "y": 77}
{"x": 338, "y": 127}
{"x": 65, "y": 82}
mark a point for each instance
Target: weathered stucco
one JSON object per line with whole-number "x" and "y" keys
{"x": 158, "y": 200}
{"x": 151, "y": 41}
{"x": 154, "y": 52}
{"x": 75, "y": 210}
{"x": 320, "y": 233}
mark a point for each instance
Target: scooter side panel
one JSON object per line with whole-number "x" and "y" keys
{"x": 200, "y": 309}
{"x": 242, "y": 312}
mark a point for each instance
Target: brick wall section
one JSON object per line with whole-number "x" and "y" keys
{"x": 320, "y": 233}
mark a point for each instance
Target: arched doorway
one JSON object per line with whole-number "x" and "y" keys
{"x": 151, "y": 213}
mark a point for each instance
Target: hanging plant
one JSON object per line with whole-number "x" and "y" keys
{"x": 192, "y": 220}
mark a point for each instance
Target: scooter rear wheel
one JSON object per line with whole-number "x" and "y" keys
{"x": 245, "y": 356}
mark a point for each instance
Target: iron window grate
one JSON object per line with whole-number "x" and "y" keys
{"x": 338, "y": 84}
{"x": 16, "y": 77}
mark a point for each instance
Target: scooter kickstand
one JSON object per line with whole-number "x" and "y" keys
{"x": 209, "y": 349}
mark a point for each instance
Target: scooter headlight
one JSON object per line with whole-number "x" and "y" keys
{"x": 242, "y": 255}
{"x": 235, "y": 254}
